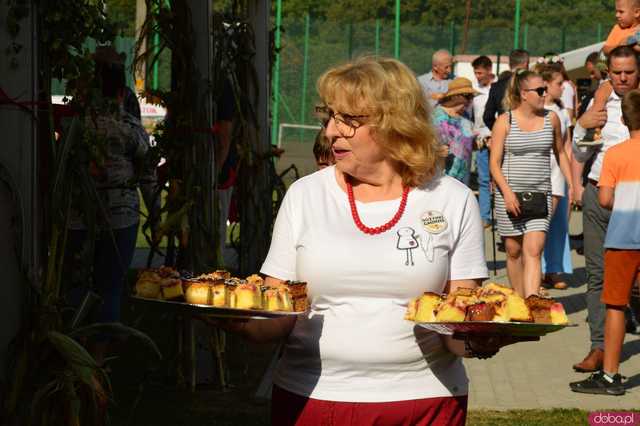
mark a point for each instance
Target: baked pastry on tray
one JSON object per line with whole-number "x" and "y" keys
{"x": 492, "y": 302}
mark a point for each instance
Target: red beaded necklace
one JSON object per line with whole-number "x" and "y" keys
{"x": 378, "y": 229}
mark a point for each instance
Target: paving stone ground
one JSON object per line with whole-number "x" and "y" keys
{"x": 537, "y": 374}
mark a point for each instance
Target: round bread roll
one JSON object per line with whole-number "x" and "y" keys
{"x": 148, "y": 289}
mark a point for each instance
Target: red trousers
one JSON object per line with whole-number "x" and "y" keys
{"x": 288, "y": 409}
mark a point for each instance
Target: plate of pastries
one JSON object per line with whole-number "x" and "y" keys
{"x": 219, "y": 294}
{"x": 492, "y": 309}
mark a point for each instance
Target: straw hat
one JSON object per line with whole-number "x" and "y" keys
{"x": 460, "y": 86}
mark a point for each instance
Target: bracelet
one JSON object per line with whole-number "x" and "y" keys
{"x": 472, "y": 353}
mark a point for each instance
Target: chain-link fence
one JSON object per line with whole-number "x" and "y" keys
{"x": 311, "y": 46}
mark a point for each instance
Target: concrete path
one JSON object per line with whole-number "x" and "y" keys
{"x": 537, "y": 374}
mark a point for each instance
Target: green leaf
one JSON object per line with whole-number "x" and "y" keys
{"x": 76, "y": 356}
{"x": 40, "y": 395}
{"x": 119, "y": 329}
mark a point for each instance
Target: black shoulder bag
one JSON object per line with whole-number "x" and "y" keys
{"x": 533, "y": 204}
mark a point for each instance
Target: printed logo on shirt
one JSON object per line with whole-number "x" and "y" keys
{"x": 433, "y": 222}
{"x": 407, "y": 241}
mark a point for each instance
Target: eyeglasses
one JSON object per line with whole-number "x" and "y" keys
{"x": 539, "y": 90}
{"x": 346, "y": 124}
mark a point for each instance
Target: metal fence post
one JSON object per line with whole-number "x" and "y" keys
{"x": 599, "y": 33}
{"x": 275, "y": 120}
{"x": 452, "y": 38}
{"x": 350, "y": 40}
{"x": 516, "y": 29}
{"x": 305, "y": 69}
{"x": 377, "y": 45}
{"x": 396, "y": 50}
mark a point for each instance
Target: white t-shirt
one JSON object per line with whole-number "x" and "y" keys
{"x": 479, "y": 104}
{"x": 355, "y": 345}
{"x": 568, "y": 95}
{"x": 558, "y": 182}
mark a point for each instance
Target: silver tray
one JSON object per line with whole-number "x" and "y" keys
{"x": 524, "y": 329}
{"x": 214, "y": 311}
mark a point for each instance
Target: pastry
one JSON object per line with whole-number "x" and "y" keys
{"x": 221, "y": 294}
{"x": 490, "y": 297}
{"x": 492, "y": 302}
{"x": 298, "y": 291}
{"x": 247, "y": 296}
{"x": 199, "y": 293}
{"x": 148, "y": 289}
{"x": 502, "y": 313}
{"x": 255, "y": 279}
{"x": 558, "y": 315}
{"x": 540, "y": 308}
{"x": 216, "y": 275}
{"x": 463, "y": 297}
{"x": 448, "y": 312}
{"x": 277, "y": 299}
{"x": 517, "y": 308}
{"x": 149, "y": 275}
{"x": 171, "y": 288}
{"x": 167, "y": 272}
{"x": 480, "y": 312}
{"x": 422, "y": 309}
{"x": 495, "y": 288}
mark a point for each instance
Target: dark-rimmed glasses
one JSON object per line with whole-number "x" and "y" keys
{"x": 541, "y": 91}
{"x": 346, "y": 124}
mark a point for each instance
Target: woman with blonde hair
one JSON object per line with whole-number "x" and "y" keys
{"x": 367, "y": 234}
{"x": 523, "y": 139}
{"x": 556, "y": 258}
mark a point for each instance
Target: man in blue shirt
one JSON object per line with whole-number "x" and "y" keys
{"x": 436, "y": 82}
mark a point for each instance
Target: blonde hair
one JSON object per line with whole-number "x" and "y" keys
{"x": 388, "y": 93}
{"x": 512, "y": 98}
{"x": 631, "y": 109}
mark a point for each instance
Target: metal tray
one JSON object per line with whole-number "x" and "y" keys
{"x": 524, "y": 329}
{"x": 214, "y": 311}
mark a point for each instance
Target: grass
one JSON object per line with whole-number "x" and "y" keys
{"x": 552, "y": 417}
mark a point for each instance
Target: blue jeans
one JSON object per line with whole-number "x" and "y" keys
{"x": 556, "y": 257}
{"x": 109, "y": 269}
{"x": 484, "y": 177}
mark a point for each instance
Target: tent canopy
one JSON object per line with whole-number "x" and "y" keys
{"x": 574, "y": 60}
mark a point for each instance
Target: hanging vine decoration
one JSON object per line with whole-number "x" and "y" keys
{"x": 68, "y": 387}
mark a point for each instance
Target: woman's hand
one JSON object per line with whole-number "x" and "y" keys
{"x": 511, "y": 203}
{"x": 487, "y": 346}
{"x": 570, "y": 195}
{"x": 578, "y": 190}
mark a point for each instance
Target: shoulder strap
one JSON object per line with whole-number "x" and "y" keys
{"x": 506, "y": 135}
{"x": 506, "y": 145}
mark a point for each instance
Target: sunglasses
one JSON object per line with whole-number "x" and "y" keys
{"x": 541, "y": 91}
